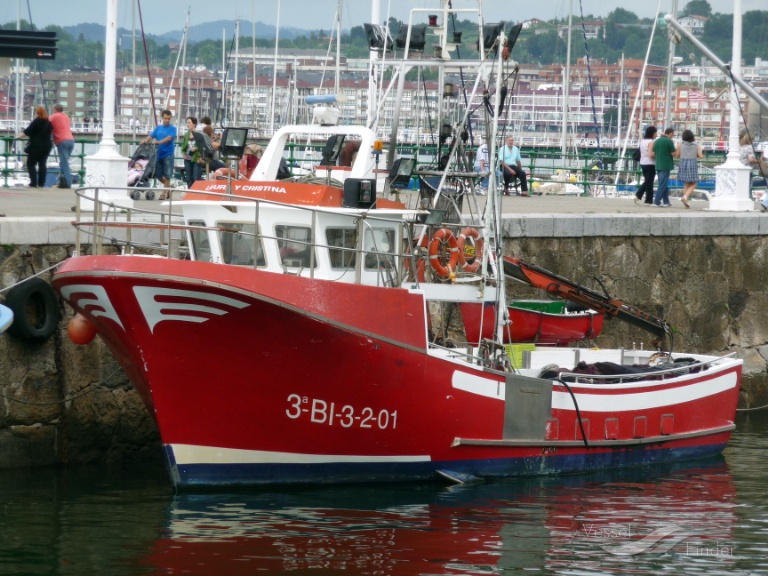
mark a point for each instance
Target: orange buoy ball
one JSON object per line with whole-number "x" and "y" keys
{"x": 81, "y": 330}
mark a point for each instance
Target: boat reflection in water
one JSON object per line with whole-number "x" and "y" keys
{"x": 624, "y": 519}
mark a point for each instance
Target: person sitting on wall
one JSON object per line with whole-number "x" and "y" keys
{"x": 512, "y": 167}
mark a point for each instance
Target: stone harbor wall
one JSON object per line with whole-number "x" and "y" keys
{"x": 66, "y": 404}
{"x": 63, "y": 403}
{"x": 710, "y": 289}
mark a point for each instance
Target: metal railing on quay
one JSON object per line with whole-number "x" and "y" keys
{"x": 13, "y": 159}
{"x": 594, "y": 173}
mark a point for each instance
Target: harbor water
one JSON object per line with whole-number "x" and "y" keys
{"x": 705, "y": 517}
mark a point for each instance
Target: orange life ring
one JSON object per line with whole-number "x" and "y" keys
{"x": 420, "y": 265}
{"x": 472, "y": 250}
{"x": 439, "y": 238}
{"x": 224, "y": 173}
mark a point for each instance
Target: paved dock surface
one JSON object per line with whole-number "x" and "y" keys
{"x": 44, "y": 216}
{"x": 57, "y": 202}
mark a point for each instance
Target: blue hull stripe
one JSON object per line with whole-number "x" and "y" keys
{"x": 212, "y": 475}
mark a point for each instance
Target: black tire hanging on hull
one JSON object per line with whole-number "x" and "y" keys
{"x": 35, "y": 310}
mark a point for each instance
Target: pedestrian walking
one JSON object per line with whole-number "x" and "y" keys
{"x": 664, "y": 154}
{"x": 647, "y": 165}
{"x": 689, "y": 153}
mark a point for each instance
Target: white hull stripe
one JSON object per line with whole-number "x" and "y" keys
{"x": 646, "y": 400}
{"x": 191, "y": 454}
{"x": 631, "y": 401}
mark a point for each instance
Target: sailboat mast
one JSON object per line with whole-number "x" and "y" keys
{"x": 254, "y": 120}
{"x": 566, "y": 85}
{"x": 670, "y": 61}
{"x": 621, "y": 102}
{"x": 19, "y": 94}
{"x": 223, "y": 105}
{"x": 182, "y": 111}
{"x": 338, "y": 49}
{"x": 274, "y": 74}
{"x": 373, "y": 56}
{"x": 493, "y": 222}
{"x": 134, "y": 95}
{"x": 235, "y": 107}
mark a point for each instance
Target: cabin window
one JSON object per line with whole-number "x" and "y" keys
{"x": 379, "y": 247}
{"x": 201, "y": 246}
{"x": 238, "y": 244}
{"x": 294, "y": 245}
{"x": 341, "y": 242}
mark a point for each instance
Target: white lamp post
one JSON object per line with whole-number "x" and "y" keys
{"x": 107, "y": 168}
{"x": 733, "y": 178}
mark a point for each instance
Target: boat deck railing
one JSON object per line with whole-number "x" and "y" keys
{"x": 662, "y": 372}
{"x": 111, "y": 225}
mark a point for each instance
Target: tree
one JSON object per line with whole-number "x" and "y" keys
{"x": 541, "y": 48}
{"x": 621, "y": 16}
{"x": 697, "y": 8}
{"x": 718, "y": 34}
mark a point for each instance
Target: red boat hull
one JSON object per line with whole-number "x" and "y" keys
{"x": 262, "y": 378}
{"x": 531, "y": 325}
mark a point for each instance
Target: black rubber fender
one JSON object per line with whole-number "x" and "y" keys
{"x": 35, "y": 310}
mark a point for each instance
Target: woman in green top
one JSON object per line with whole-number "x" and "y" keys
{"x": 192, "y": 169}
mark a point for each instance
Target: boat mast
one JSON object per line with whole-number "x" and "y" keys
{"x": 338, "y": 49}
{"x": 134, "y": 96}
{"x": 566, "y": 86}
{"x": 373, "y": 56}
{"x": 639, "y": 96}
{"x": 493, "y": 208}
{"x": 182, "y": 112}
{"x": 621, "y": 101}
{"x": 274, "y": 75}
{"x": 670, "y": 61}
{"x": 235, "y": 107}
{"x": 19, "y": 94}
{"x": 173, "y": 75}
{"x": 223, "y": 105}
{"x": 253, "y": 59}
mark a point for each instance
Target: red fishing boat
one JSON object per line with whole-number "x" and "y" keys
{"x": 287, "y": 336}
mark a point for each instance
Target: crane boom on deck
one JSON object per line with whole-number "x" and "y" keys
{"x": 556, "y": 285}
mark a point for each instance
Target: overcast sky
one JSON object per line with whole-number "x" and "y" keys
{"x": 166, "y": 15}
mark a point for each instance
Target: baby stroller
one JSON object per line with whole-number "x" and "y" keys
{"x": 141, "y": 169}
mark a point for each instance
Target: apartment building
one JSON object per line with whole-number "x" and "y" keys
{"x": 80, "y": 92}
{"x": 141, "y": 98}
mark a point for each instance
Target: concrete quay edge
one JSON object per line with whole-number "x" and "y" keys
{"x": 45, "y": 216}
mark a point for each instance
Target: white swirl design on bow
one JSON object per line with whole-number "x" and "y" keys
{"x": 182, "y": 305}
{"x": 98, "y": 305}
